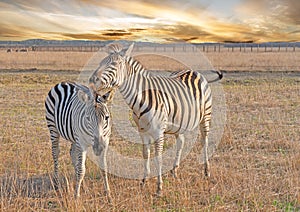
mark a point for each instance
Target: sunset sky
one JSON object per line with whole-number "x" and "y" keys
{"x": 151, "y": 20}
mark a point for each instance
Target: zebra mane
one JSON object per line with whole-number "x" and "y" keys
{"x": 91, "y": 93}
{"x": 114, "y": 48}
{"x": 80, "y": 86}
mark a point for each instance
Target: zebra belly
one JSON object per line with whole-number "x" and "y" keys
{"x": 181, "y": 126}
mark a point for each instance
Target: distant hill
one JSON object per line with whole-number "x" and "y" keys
{"x": 42, "y": 42}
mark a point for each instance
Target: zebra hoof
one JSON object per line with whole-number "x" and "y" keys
{"x": 174, "y": 172}
{"x": 206, "y": 173}
{"x": 77, "y": 196}
{"x": 143, "y": 183}
{"x": 55, "y": 187}
{"x": 158, "y": 193}
{"x": 109, "y": 199}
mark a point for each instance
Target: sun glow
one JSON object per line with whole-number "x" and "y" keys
{"x": 148, "y": 20}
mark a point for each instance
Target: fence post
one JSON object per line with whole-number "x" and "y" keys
{"x": 271, "y": 47}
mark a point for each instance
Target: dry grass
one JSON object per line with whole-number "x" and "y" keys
{"x": 247, "y": 61}
{"x": 256, "y": 166}
{"x": 44, "y": 60}
{"x": 253, "y": 61}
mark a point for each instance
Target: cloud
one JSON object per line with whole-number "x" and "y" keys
{"x": 13, "y": 32}
{"x": 292, "y": 8}
{"x": 189, "y": 20}
{"x": 110, "y": 34}
{"x": 183, "y": 32}
{"x": 255, "y": 20}
{"x": 271, "y": 12}
{"x": 116, "y": 33}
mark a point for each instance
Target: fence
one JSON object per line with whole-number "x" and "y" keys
{"x": 217, "y": 47}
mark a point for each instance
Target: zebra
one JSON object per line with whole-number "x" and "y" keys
{"x": 23, "y": 50}
{"x": 81, "y": 116}
{"x": 161, "y": 104}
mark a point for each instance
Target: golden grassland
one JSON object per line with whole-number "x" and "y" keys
{"x": 231, "y": 61}
{"x": 256, "y": 165}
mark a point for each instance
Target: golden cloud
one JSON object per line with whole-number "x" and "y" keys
{"x": 257, "y": 20}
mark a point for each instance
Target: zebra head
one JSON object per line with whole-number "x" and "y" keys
{"x": 97, "y": 119}
{"x": 112, "y": 70}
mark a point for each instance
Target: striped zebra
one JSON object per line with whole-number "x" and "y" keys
{"x": 82, "y": 117}
{"x": 161, "y": 104}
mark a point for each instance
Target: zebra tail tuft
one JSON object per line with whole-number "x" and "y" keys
{"x": 220, "y": 76}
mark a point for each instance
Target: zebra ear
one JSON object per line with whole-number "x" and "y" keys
{"x": 109, "y": 95}
{"x": 127, "y": 52}
{"x": 83, "y": 97}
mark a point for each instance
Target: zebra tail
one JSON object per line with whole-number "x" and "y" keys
{"x": 220, "y": 76}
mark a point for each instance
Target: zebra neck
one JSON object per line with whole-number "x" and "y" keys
{"x": 134, "y": 67}
{"x": 134, "y": 82}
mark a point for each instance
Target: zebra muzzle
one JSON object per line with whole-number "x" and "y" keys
{"x": 97, "y": 148}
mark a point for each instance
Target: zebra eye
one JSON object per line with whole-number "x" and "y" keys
{"x": 106, "y": 118}
{"x": 114, "y": 63}
{"x": 97, "y": 79}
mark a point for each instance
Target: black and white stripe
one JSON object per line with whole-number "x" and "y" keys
{"x": 82, "y": 117}
{"x": 161, "y": 104}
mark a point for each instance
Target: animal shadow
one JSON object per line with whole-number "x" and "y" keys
{"x": 12, "y": 185}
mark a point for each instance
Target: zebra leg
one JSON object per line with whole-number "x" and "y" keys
{"x": 179, "y": 147}
{"x": 158, "y": 160}
{"x": 73, "y": 155}
{"x": 55, "y": 154}
{"x": 80, "y": 157}
{"x": 106, "y": 185}
{"x": 146, "y": 155}
{"x": 204, "y": 133}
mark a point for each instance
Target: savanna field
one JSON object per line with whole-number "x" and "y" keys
{"x": 255, "y": 167}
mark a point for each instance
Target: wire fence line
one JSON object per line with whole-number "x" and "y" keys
{"x": 218, "y": 47}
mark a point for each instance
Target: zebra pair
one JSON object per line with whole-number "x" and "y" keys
{"x": 161, "y": 105}
{"x": 171, "y": 105}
